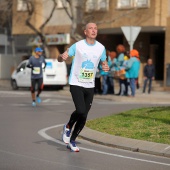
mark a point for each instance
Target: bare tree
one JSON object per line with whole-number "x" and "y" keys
{"x": 5, "y": 13}
{"x": 39, "y": 31}
{"x": 75, "y": 11}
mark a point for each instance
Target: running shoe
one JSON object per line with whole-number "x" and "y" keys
{"x": 72, "y": 146}
{"x": 33, "y": 104}
{"x": 38, "y": 99}
{"x": 66, "y": 134}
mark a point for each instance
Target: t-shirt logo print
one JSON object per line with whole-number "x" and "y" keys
{"x": 86, "y": 72}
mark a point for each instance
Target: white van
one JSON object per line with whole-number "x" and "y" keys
{"x": 55, "y": 74}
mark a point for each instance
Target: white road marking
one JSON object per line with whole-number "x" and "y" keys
{"x": 46, "y": 100}
{"x": 29, "y": 104}
{"x": 42, "y": 133}
{"x": 167, "y": 148}
{"x": 13, "y": 93}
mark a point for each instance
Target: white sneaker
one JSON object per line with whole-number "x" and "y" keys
{"x": 33, "y": 104}
{"x": 66, "y": 134}
{"x": 73, "y": 147}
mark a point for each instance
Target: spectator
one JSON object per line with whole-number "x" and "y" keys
{"x": 137, "y": 80}
{"x": 104, "y": 75}
{"x": 149, "y": 75}
{"x": 112, "y": 56}
{"x": 132, "y": 70}
{"x": 119, "y": 63}
{"x": 124, "y": 79}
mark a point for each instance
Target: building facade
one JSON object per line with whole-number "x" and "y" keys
{"x": 152, "y": 16}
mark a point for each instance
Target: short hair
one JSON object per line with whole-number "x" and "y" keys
{"x": 120, "y": 48}
{"x": 85, "y": 27}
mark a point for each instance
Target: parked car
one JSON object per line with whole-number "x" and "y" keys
{"x": 55, "y": 74}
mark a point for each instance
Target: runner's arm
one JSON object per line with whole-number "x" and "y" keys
{"x": 68, "y": 53}
{"x": 103, "y": 61}
{"x": 45, "y": 63}
{"x": 29, "y": 65}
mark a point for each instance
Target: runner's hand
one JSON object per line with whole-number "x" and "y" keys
{"x": 105, "y": 66}
{"x": 64, "y": 56}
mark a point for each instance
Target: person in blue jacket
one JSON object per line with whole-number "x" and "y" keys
{"x": 105, "y": 76}
{"x": 118, "y": 63}
{"x": 132, "y": 70}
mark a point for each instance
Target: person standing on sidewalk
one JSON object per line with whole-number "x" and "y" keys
{"x": 87, "y": 55}
{"x": 132, "y": 70}
{"x": 37, "y": 63}
{"x": 105, "y": 75}
{"x": 149, "y": 75}
{"x": 118, "y": 64}
{"x": 112, "y": 56}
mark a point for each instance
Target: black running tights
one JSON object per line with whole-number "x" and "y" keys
{"x": 82, "y": 98}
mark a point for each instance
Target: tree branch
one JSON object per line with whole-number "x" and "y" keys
{"x": 51, "y": 14}
{"x": 66, "y": 10}
{"x": 31, "y": 9}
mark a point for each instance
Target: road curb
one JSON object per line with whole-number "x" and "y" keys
{"x": 125, "y": 143}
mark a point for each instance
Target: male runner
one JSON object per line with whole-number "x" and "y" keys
{"x": 87, "y": 55}
{"x": 36, "y": 64}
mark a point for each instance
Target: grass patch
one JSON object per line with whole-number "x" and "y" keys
{"x": 150, "y": 124}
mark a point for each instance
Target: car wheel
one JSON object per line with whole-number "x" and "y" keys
{"x": 14, "y": 85}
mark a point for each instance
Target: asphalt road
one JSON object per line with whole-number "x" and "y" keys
{"x": 30, "y": 138}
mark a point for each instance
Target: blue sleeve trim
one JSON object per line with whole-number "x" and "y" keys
{"x": 72, "y": 50}
{"x": 103, "y": 56}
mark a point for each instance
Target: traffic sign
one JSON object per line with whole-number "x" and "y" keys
{"x": 131, "y": 34}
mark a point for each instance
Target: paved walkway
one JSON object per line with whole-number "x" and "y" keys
{"x": 153, "y": 98}
{"x": 116, "y": 141}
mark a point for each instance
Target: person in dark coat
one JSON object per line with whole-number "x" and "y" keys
{"x": 149, "y": 75}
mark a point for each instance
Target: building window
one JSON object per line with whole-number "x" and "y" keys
{"x": 142, "y": 3}
{"x": 123, "y": 4}
{"x": 21, "y": 5}
{"x": 103, "y": 5}
{"x": 97, "y": 5}
{"x": 90, "y": 5}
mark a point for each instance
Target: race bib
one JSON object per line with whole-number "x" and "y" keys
{"x": 36, "y": 70}
{"x": 86, "y": 75}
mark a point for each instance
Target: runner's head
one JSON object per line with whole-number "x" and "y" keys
{"x": 38, "y": 51}
{"x": 91, "y": 31}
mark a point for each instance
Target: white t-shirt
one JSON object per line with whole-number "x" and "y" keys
{"x": 85, "y": 62}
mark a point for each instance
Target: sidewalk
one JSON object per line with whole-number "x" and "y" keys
{"x": 5, "y": 84}
{"x": 153, "y": 98}
{"x": 116, "y": 141}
